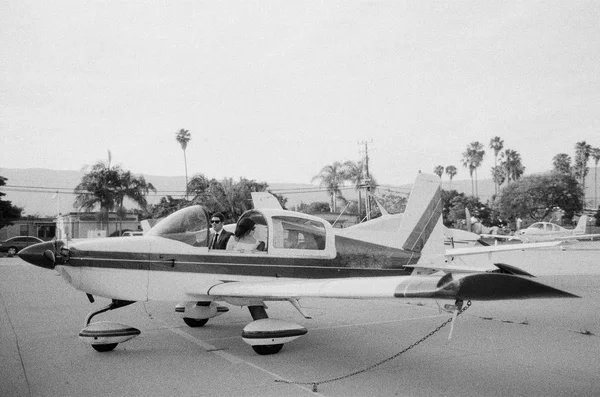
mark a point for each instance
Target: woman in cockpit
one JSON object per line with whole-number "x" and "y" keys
{"x": 243, "y": 239}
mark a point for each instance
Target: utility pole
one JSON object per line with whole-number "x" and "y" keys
{"x": 366, "y": 183}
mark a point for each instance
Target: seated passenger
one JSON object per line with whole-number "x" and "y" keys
{"x": 243, "y": 239}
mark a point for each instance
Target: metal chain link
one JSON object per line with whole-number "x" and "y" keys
{"x": 423, "y": 339}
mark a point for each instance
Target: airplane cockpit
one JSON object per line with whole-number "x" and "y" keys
{"x": 283, "y": 232}
{"x": 544, "y": 227}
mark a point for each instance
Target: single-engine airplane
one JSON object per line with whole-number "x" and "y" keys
{"x": 546, "y": 231}
{"x": 303, "y": 258}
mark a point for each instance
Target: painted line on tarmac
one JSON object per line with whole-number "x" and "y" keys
{"x": 206, "y": 346}
{"x": 378, "y": 322}
{"x": 233, "y": 359}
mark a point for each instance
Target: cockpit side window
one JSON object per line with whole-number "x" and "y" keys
{"x": 188, "y": 225}
{"x": 298, "y": 233}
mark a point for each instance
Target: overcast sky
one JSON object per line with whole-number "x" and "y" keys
{"x": 275, "y": 90}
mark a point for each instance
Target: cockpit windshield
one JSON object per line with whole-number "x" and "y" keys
{"x": 188, "y": 225}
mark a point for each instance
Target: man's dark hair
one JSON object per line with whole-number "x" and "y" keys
{"x": 219, "y": 215}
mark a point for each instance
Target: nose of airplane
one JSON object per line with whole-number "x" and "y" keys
{"x": 41, "y": 255}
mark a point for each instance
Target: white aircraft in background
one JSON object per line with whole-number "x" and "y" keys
{"x": 303, "y": 258}
{"x": 546, "y": 231}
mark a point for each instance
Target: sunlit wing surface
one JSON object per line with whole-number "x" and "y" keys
{"x": 486, "y": 286}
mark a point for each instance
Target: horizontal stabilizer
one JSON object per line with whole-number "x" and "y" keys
{"x": 503, "y": 286}
{"x": 498, "y": 248}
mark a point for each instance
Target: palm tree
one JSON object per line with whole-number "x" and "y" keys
{"x": 183, "y": 137}
{"x": 496, "y": 144}
{"x": 107, "y": 187}
{"x": 595, "y": 153}
{"x": 562, "y": 163}
{"x": 582, "y": 155}
{"x": 511, "y": 163}
{"x": 451, "y": 171}
{"x": 332, "y": 178}
{"x": 353, "y": 171}
{"x": 439, "y": 170}
{"x": 472, "y": 159}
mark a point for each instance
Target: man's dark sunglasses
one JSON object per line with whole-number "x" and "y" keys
{"x": 215, "y": 221}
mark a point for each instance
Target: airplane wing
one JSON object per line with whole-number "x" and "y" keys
{"x": 580, "y": 237}
{"x": 498, "y": 248}
{"x": 499, "y": 236}
{"x": 440, "y": 285}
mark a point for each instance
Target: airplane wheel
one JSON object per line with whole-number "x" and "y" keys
{"x": 264, "y": 350}
{"x": 105, "y": 348}
{"x": 195, "y": 323}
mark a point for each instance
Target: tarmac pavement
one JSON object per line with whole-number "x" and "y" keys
{"x": 512, "y": 348}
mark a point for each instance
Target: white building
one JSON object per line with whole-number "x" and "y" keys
{"x": 88, "y": 225}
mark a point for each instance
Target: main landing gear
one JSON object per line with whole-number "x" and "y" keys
{"x": 197, "y": 314}
{"x": 265, "y": 335}
{"x": 268, "y": 335}
{"x": 104, "y": 336}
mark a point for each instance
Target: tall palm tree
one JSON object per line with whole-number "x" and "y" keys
{"x": 496, "y": 144}
{"x": 183, "y": 137}
{"x": 511, "y": 163}
{"x": 472, "y": 159}
{"x": 438, "y": 170}
{"x": 332, "y": 177}
{"x": 582, "y": 155}
{"x": 595, "y": 153}
{"x": 451, "y": 171}
{"x": 353, "y": 171}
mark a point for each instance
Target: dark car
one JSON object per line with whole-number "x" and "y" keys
{"x": 15, "y": 244}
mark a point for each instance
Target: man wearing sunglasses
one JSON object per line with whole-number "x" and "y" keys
{"x": 218, "y": 238}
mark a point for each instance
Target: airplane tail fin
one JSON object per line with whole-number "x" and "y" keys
{"x": 421, "y": 226}
{"x": 581, "y": 224}
{"x": 468, "y": 219}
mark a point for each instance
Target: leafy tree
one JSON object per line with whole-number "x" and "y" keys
{"x": 313, "y": 208}
{"x": 496, "y": 144}
{"x": 438, "y": 170}
{"x": 451, "y": 171}
{"x": 8, "y": 212}
{"x": 454, "y": 205}
{"x": 393, "y": 203}
{"x": 562, "y": 163}
{"x": 472, "y": 159}
{"x": 536, "y": 196}
{"x": 183, "y": 137}
{"x": 166, "y": 206}
{"x": 332, "y": 177}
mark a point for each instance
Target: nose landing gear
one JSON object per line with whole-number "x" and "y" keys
{"x": 104, "y": 336}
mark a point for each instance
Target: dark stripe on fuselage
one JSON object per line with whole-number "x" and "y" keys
{"x": 354, "y": 259}
{"x": 420, "y": 234}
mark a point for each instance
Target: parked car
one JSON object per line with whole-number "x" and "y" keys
{"x": 16, "y": 244}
